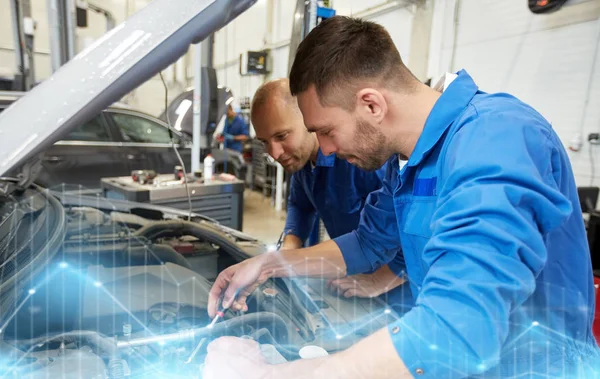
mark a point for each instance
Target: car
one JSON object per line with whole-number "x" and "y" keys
{"x": 180, "y": 113}
{"x": 115, "y": 142}
{"x": 95, "y": 288}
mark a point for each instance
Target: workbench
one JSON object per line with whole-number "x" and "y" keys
{"x": 220, "y": 200}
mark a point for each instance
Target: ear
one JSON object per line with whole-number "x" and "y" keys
{"x": 371, "y": 104}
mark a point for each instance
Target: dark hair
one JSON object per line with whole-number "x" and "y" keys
{"x": 340, "y": 53}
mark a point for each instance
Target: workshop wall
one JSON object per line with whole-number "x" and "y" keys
{"x": 149, "y": 97}
{"x": 41, "y": 43}
{"x": 268, "y": 25}
{"x": 550, "y": 61}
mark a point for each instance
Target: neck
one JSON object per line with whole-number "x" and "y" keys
{"x": 315, "y": 150}
{"x": 408, "y": 116}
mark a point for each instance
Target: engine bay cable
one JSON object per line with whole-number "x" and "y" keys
{"x": 185, "y": 178}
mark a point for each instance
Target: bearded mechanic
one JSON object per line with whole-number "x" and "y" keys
{"x": 486, "y": 210}
{"x": 321, "y": 186}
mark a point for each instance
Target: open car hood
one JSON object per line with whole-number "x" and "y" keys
{"x": 117, "y": 63}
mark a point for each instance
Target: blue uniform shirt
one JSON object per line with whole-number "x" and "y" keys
{"x": 336, "y": 191}
{"x": 236, "y": 127}
{"x": 494, "y": 242}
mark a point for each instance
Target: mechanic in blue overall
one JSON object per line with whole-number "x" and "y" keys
{"x": 235, "y": 131}
{"x": 486, "y": 210}
{"x": 324, "y": 187}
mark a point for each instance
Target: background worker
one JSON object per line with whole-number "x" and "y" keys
{"x": 487, "y": 213}
{"x": 321, "y": 186}
{"x": 235, "y": 131}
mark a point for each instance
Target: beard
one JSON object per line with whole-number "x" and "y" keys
{"x": 292, "y": 164}
{"x": 370, "y": 150}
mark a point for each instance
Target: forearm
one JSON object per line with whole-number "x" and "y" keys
{"x": 241, "y": 137}
{"x": 291, "y": 242}
{"x": 322, "y": 260}
{"x": 391, "y": 278}
{"x": 374, "y": 357}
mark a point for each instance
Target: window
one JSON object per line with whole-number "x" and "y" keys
{"x": 94, "y": 131}
{"x": 141, "y": 130}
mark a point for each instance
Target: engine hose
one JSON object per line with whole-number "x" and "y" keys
{"x": 177, "y": 228}
{"x": 279, "y": 326}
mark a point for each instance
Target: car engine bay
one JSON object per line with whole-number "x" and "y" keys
{"x": 93, "y": 289}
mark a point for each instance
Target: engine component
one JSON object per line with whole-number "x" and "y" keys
{"x": 312, "y": 351}
{"x": 204, "y": 232}
{"x": 81, "y": 363}
{"x": 119, "y": 251}
{"x": 31, "y": 233}
{"x": 115, "y": 366}
{"x": 124, "y": 295}
{"x": 254, "y": 320}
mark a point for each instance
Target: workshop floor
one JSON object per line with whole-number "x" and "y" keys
{"x": 261, "y": 221}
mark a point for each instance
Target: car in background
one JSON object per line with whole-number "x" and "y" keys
{"x": 181, "y": 116}
{"x": 114, "y": 143}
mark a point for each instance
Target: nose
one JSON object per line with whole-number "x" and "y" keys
{"x": 275, "y": 150}
{"x": 326, "y": 145}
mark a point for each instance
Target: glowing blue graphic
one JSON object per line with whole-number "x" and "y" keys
{"x": 333, "y": 333}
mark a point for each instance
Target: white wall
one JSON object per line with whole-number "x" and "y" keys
{"x": 41, "y": 44}
{"x": 149, "y": 97}
{"x": 247, "y": 32}
{"x": 257, "y": 30}
{"x": 546, "y": 60}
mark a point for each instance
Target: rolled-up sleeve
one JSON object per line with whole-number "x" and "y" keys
{"x": 301, "y": 214}
{"x": 498, "y": 201}
{"x": 376, "y": 241}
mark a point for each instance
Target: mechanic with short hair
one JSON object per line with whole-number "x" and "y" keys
{"x": 321, "y": 186}
{"x": 486, "y": 210}
{"x": 235, "y": 131}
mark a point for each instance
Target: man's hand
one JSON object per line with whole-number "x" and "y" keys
{"x": 367, "y": 285}
{"x": 235, "y": 358}
{"x": 236, "y": 283}
{"x": 374, "y": 357}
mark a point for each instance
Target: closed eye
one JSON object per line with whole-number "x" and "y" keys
{"x": 281, "y": 136}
